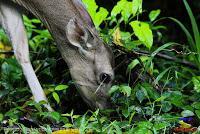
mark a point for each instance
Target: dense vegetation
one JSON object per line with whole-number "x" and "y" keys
{"x": 157, "y": 83}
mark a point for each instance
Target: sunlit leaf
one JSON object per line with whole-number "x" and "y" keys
{"x": 113, "y": 89}
{"x": 61, "y": 87}
{"x": 98, "y": 14}
{"x": 154, "y": 14}
{"x": 143, "y": 32}
{"x": 126, "y": 90}
{"x": 56, "y": 97}
{"x": 196, "y": 82}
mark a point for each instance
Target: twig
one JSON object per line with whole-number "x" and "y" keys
{"x": 7, "y": 52}
{"x": 137, "y": 53}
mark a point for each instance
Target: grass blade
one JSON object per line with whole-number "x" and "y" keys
{"x": 194, "y": 26}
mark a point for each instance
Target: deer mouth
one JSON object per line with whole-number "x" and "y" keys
{"x": 95, "y": 95}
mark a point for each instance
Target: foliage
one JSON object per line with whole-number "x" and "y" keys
{"x": 151, "y": 93}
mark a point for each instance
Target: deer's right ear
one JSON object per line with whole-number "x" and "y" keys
{"x": 75, "y": 33}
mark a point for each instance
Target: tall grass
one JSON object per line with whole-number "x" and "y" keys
{"x": 193, "y": 38}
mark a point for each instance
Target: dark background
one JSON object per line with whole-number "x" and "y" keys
{"x": 169, "y": 8}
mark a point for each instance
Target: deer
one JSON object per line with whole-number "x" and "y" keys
{"x": 89, "y": 59}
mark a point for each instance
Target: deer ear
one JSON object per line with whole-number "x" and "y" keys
{"x": 75, "y": 33}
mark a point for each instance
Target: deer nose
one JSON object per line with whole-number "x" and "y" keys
{"x": 105, "y": 78}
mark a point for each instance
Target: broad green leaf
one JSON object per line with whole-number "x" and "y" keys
{"x": 98, "y": 14}
{"x": 137, "y": 7}
{"x": 141, "y": 130}
{"x": 83, "y": 124}
{"x": 61, "y": 87}
{"x": 166, "y": 106}
{"x": 154, "y": 14}
{"x": 161, "y": 125}
{"x": 126, "y": 12}
{"x": 126, "y": 9}
{"x": 196, "y": 82}
{"x": 56, "y": 97}
{"x": 176, "y": 98}
{"x": 140, "y": 95}
{"x": 196, "y": 105}
{"x": 117, "y": 128}
{"x": 55, "y": 115}
{"x": 91, "y": 7}
{"x": 68, "y": 125}
{"x": 113, "y": 89}
{"x": 145, "y": 124}
{"x": 197, "y": 112}
{"x": 187, "y": 113}
{"x": 126, "y": 90}
{"x": 136, "y": 62}
{"x": 118, "y": 8}
{"x": 143, "y": 32}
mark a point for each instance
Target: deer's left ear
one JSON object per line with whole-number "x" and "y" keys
{"x": 78, "y": 35}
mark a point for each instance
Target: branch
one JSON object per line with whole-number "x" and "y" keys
{"x": 137, "y": 53}
{"x": 7, "y": 52}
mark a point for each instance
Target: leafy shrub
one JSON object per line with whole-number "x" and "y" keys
{"x": 154, "y": 86}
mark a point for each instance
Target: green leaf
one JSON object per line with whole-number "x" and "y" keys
{"x": 117, "y": 128}
{"x": 166, "y": 106}
{"x": 127, "y": 9}
{"x": 1, "y": 116}
{"x": 154, "y": 14}
{"x": 196, "y": 82}
{"x": 118, "y": 8}
{"x": 145, "y": 124}
{"x": 136, "y": 62}
{"x": 100, "y": 16}
{"x": 68, "y": 125}
{"x": 194, "y": 26}
{"x": 143, "y": 32}
{"x": 161, "y": 75}
{"x": 196, "y": 105}
{"x": 126, "y": 90}
{"x": 137, "y": 7}
{"x": 113, "y": 89}
{"x": 161, "y": 48}
{"x": 97, "y": 17}
{"x": 56, "y": 97}
{"x": 162, "y": 98}
{"x": 197, "y": 112}
{"x": 83, "y": 124}
{"x": 55, "y": 115}
{"x": 161, "y": 125}
{"x": 187, "y": 113}
{"x": 61, "y": 87}
{"x": 140, "y": 95}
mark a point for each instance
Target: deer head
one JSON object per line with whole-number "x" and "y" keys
{"x": 88, "y": 57}
{"x": 92, "y": 68}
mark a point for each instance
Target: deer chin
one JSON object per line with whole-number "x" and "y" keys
{"x": 95, "y": 96}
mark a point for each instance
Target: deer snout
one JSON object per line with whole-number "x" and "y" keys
{"x": 105, "y": 78}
